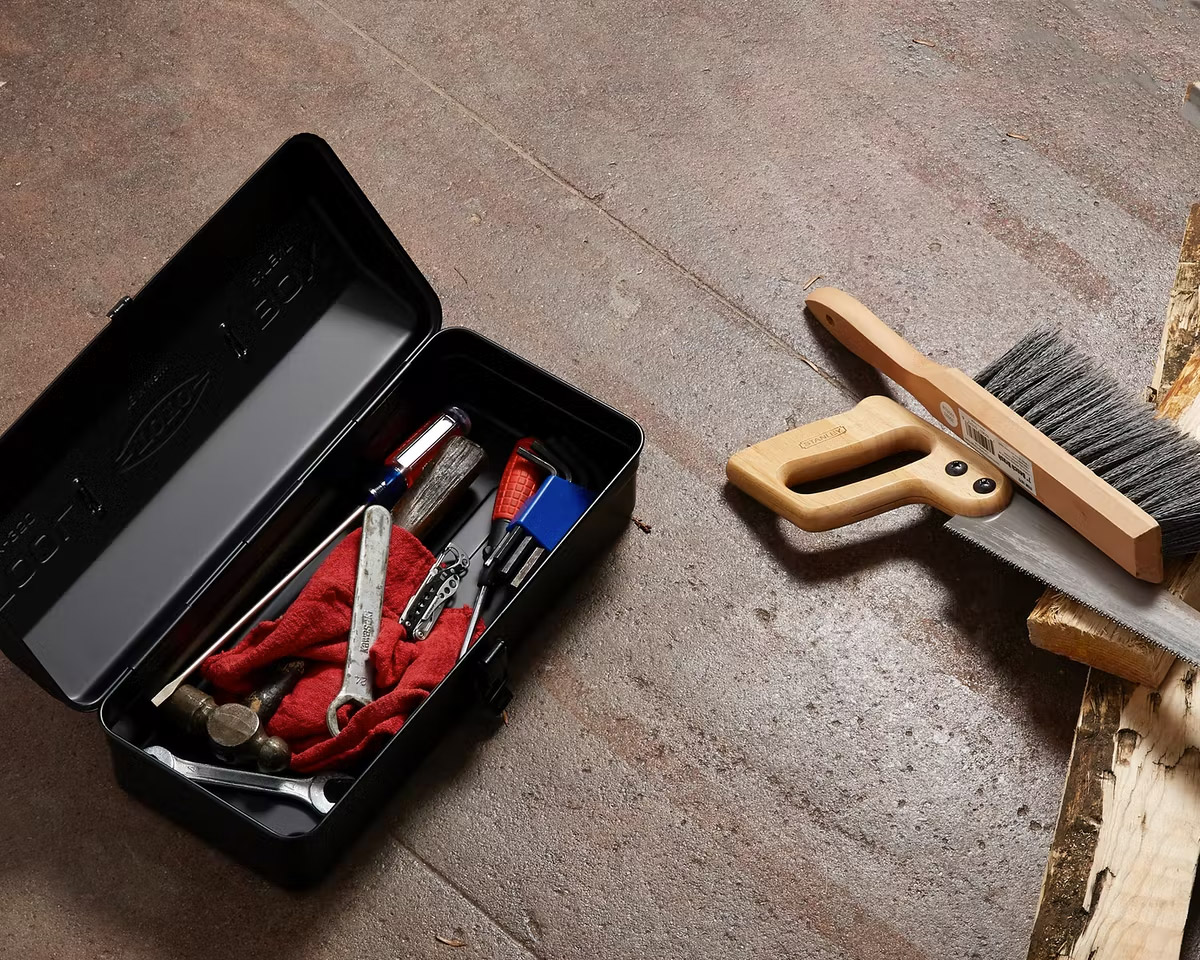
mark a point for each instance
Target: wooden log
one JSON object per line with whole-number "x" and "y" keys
{"x": 1064, "y": 911}
{"x": 1181, "y": 332}
{"x": 1122, "y": 863}
{"x": 1123, "y": 860}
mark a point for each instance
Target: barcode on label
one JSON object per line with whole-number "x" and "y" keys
{"x": 1013, "y": 463}
{"x": 978, "y": 438}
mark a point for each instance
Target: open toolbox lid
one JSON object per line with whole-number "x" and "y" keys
{"x": 133, "y": 479}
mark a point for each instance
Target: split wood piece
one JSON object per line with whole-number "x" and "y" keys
{"x": 1122, "y": 863}
{"x": 1191, "y": 102}
{"x": 1181, "y": 332}
{"x": 1123, "y": 859}
{"x": 1065, "y": 627}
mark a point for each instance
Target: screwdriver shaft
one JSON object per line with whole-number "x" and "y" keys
{"x": 479, "y": 600}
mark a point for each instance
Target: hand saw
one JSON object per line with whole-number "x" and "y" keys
{"x": 806, "y": 476}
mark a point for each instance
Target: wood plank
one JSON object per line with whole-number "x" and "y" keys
{"x": 1067, "y": 628}
{"x": 1122, "y": 863}
{"x": 1140, "y": 881}
{"x": 1181, "y": 332}
{"x": 1063, "y": 912}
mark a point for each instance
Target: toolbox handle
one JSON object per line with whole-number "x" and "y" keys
{"x": 945, "y": 475}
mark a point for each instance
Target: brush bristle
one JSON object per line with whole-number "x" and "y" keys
{"x": 1081, "y": 407}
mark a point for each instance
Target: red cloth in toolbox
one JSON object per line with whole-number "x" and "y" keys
{"x": 317, "y": 626}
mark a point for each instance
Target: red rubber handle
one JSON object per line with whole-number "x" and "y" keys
{"x": 518, "y": 483}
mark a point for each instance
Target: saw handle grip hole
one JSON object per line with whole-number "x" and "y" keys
{"x": 863, "y": 462}
{"x": 867, "y": 471}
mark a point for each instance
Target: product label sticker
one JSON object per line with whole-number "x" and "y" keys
{"x": 949, "y": 417}
{"x": 980, "y": 438}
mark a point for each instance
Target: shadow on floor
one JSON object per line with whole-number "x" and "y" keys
{"x": 70, "y": 835}
{"x": 988, "y": 599}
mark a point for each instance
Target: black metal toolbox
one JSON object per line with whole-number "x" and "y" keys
{"x": 223, "y": 421}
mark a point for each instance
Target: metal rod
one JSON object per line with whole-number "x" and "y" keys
{"x": 242, "y": 621}
{"x": 474, "y": 621}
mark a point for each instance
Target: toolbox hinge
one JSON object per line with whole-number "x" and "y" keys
{"x": 119, "y": 306}
{"x": 493, "y": 676}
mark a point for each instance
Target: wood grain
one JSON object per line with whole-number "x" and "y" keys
{"x": 1063, "y": 910}
{"x": 440, "y": 486}
{"x": 1070, "y": 629}
{"x": 1181, "y": 332}
{"x": 1119, "y": 877}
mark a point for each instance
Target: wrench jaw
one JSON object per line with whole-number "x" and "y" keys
{"x": 317, "y": 797}
{"x": 331, "y": 715}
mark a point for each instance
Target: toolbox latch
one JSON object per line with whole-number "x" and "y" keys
{"x": 493, "y": 678}
{"x": 119, "y": 306}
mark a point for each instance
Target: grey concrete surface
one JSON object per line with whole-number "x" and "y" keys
{"x": 732, "y": 739}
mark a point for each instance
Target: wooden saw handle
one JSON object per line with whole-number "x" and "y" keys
{"x": 876, "y": 428}
{"x": 1110, "y": 520}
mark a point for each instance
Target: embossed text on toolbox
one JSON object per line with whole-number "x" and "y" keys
{"x": 162, "y": 421}
{"x": 31, "y": 542}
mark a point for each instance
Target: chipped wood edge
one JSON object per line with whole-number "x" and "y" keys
{"x": 1181, "y": 331}
{"x": 1063, "y": 912}
{"x": 1191, "y": 103}
{"x": 1061, "y": 626}
{"x": 1148, "y": 838}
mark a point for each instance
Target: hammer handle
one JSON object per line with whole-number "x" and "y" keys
{"x": 266, "y": 699}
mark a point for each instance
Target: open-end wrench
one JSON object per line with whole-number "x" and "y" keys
{"x": 367, "y": 614}
{"x": 310, "y": 791}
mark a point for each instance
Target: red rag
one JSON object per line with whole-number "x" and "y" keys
{"x": 316, "y": 626}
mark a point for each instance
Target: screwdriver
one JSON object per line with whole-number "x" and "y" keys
{"x": 518, "y": 483}
{"x": 400, "y": 471}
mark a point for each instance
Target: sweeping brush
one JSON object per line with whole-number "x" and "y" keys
{"x": 1079, "y": 405}
{"x": 1060, "y": 426}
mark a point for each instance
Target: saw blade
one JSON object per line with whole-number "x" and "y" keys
{"x": 1036, "y": 542}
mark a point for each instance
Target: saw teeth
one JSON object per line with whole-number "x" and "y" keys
{"x": 1033, "y": 576}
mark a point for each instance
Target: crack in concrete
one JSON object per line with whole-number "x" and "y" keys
{"x": 592, "y": 201}
{"x": 448, "y": 881}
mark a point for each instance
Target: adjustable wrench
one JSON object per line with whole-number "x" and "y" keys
{"x": 367, "y": 613}
{"x": 310, "y": 791}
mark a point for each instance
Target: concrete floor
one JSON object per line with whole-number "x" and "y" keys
{"x": 732, "y": 739}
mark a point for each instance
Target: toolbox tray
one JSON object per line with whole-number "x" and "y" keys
{"x": 228, "y": 417}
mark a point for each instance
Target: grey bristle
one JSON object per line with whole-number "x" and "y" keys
{"x": 1081, "y": 407}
